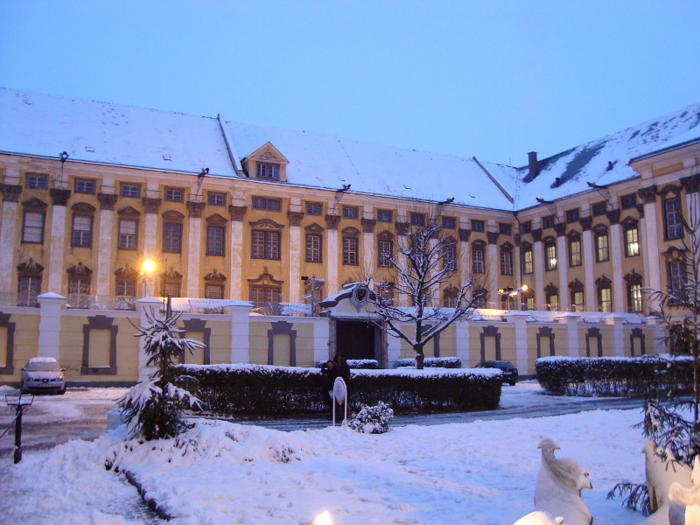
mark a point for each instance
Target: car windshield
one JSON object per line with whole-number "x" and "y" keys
{"x": 504, "y": 364}
{"x": 43, "y": 366}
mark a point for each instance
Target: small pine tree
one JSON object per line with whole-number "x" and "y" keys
{"x": 153, "y": 408}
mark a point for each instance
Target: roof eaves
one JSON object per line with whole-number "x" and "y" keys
{"x": 665, "y": 150}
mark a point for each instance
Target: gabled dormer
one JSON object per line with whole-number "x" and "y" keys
{"x": 266, "y": 163}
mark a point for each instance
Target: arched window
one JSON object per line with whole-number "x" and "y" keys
{"x": 506, "y": 259}
{"x": 79, "y": 280}
{"x": 125, "y": 282}
{"x": 635, "y": 300}
{"x": 602, "y": 243}
{"x": 449, "y": 297}
{"x": 171, "y": 283}
{"x": 527, "y": 258}
{"x": 214, "y": 285}
{"x": 550, "y": 253}
{"x": 551, "y": 293}
{"x": 672, "y": 212}
{"x": 631, "y": 233}
{"x": 29, "y": 283}
{"x": 479, "y": 257}
{"x": 576, "y": 289}
{"x": 574, "y": 248}
{"x": 604, "y": 287}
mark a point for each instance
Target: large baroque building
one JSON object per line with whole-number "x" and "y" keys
{"x": 226, "y": 212}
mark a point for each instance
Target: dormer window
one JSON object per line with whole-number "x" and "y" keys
{"x": 267, "y": 170}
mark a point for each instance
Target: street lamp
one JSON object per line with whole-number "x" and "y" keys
{"x": 20, "y": 402}
{"x": 147, "y": 268}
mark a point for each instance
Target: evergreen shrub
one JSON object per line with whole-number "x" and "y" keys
{"x": 271, "y": 390}
{"x": 614, "y": 376}
{"x": 432, "y": 362}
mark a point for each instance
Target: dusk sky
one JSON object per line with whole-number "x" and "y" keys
{"x": 492, "y": 79}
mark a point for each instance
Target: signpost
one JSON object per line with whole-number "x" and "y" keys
{"x": 340, "y": 396}
{"x": 20, "y": 402}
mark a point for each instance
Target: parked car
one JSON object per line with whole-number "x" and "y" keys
{"x": 509, "y": 372}
{"x": 43, "y": 374}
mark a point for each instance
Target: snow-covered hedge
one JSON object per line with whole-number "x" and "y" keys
{"x": 432, "y": 362}
{"x": 613, "y": 376}
{"x": 267, "y": 390}
{"x": 357, "y": 363}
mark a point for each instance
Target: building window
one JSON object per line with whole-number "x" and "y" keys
{"x": 506, "y": 261}
{"x": 29, "y": 287}
{"x": 577, "y": 304}
{"x": 553, "y": 302}
{"x": 85, "y": 186}
{"x": 504, "y": 228}
{"x": 127, "y": 234}
{"x": 572, "y": 216}
{"x": 548, "y": 221}
{"x": 314, "y": 208}
{"x": 174, "y": 194}
{"x": 313, "y": 248}
{"x": 171, "y": 288}
{"x": 262, "y": 295}
{"x": 350, "y": 255}
{"x": 385, "y": 253}
{"x": 631, "y": 241}
{"x": 673, "y": 226}
{"x": 574, "y": 252}
{"x": 449, "y": 257}
{"x": 385, "y": 215}
{"x": 478, "y": 259}
{"x": 351, "y": 212}
{"x": 216, "y": 198}
{"x": 417, "y": 219}
{"x": 600, "y": 208}
{"x": 130, "y": 189}
{"x": 527, "y": 260}
{"x": 215, "y": 240}
{"x": 530, "y": 302}
{"x": 78, "y": 286}
{"x": 605, "y": 299}
{"x": 449, "y": 223}
{"x": 478, "y": 226}
{"x": 33, "y": 227}
{"x": 676, "y": 270}
{"x": 81, "y": 234}
{"x": 628, "y": 201}
{"x": 36, "y": 181}
{"x": 602, "y": 249}
{"x": 172, "y": 237}
{"x": 264, "y": 203}
{"x": 636, "y": 303}
{"x": 450, "y": 296}
{"x": 125, "y": 288}
{"x": 527, "y": 226}
{"x": 266, "y": 245}
{"x": 550, "y": 255}
{"x": 213, "y": 291}
{"x": 268, "y": 171}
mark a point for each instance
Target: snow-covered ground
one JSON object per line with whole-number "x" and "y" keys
{"x": 474, "y": 473}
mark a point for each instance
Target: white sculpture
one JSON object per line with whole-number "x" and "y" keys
{"x": 558, "y": 487}
{"x": 684, "y": 503}
{"x": 660, "y": 476}
{"x": 539, "y": 518}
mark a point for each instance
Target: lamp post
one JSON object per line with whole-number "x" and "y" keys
{"x": 20, "y": 402}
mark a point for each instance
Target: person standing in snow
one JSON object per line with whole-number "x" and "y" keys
{"x": 332, "y": 369}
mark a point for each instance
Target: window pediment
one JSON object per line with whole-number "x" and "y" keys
{"x": 268, "y": 153}
{"x": 633, "y": 277}
{"x": 576, "y": 285}
{"x": 215, "y": 277}
{"x": 480, "y": 244}
{"x": 266, "y": 224}
{"x": 171, "y": 275}
{"x": 573, "y": 235}
{"x": 128, "y": 211}
{"x": 127, "y": 273}
{"x": 351, "y": 232}
{"x": 670, "y": 188}
{"x": 265, "y": 278}
{"x": 629, "y": 222}
{"x": 603, "y": 282}
{"x": 30, "y": 268}
{"x": 551, "y": 289}
{"x": 216, "y": 220}
{"x": 314, "y": 228}
{"x": 506, "y": 246}
{"x": 83, "y": 207}
{"x": 385, "y": 236}
{"x": 79, "y": 270}
{"x": 172, "y": 215}
{"x": 34, "y": 203}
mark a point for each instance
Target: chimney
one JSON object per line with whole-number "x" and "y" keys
{"x": 532, "y": 164}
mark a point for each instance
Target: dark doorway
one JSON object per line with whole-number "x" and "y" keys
{"x": 356, "y": 339}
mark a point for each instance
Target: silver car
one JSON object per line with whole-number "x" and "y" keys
{"x": 43, "y": 374}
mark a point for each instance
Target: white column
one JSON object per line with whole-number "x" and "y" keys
{"x": 237, "y": 288}
{"x": 50, "y": 324}
{"x": 519, "y": 320}
{"x": 194, "y": 251}
{"x": 150, "y": 230}
{"x": 539, "y": 274}
{"x": 143, "y": 305}
{"x": 462, "y": 342}
{"x": 240, "y": 330}
{"x": 393, "y": 350}
{"x": 321, "y": 337}
{"x": 8, "y": 231}
{"x": 562, "y": 267}
{"x": 616, "y": 247}
{"x": 105, "y": 242}
{"x": 617, "y": 320}
{"x": 295, "y": 255}
{"x": 368, "y": 224}
{"x": 332, "y": 254}
{"x": 57, "y": 240}
{"x": 465, "y": 256}
{"x": 651, "y": 241}
{"x": 494, "y": 272}
{"x": 571, "y": 319}
{"x": 588, "y": 268}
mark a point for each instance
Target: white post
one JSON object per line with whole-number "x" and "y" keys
{"x": 240, "y": 330}
{"x": 50, "y": 324}
{"x": 340, "y": 397}
{"x": 571, "y": 319}
{"x": 519, "y": 320}
{"x": 616, "y": 321}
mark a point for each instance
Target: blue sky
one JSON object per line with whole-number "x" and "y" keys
{"x": 492, "y": 79}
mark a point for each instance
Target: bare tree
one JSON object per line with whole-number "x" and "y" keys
{"x": 425, "y": 260}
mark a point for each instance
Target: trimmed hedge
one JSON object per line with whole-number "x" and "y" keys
{"x": 614, "y": 376}
{"x": 372, "y": 364}
{"x": 270, "y": 390}
{"x": 432, "y": 362}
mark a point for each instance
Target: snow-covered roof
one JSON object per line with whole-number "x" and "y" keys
{"x": 42, "y": 125}
{"x": 603, "y": 161}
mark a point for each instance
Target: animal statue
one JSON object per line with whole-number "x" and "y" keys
{"x": 684, "y": 503}
{"x": 661, "y": 474}
{"x": 558, "y": 487}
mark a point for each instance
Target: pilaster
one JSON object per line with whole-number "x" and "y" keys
{"x": 146, "y": 305}
{"x": 519, "y": 320}
{"x": 50, "y": 325}
{"x": 239, "y": 312}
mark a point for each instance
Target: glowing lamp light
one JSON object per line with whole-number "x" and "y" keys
{"x": 524, "y": 288}
{"x": 148, "y": 266}
{"x": 323, "y": 519}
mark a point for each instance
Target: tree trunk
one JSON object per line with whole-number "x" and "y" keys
{"x": 419, "y": 359}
